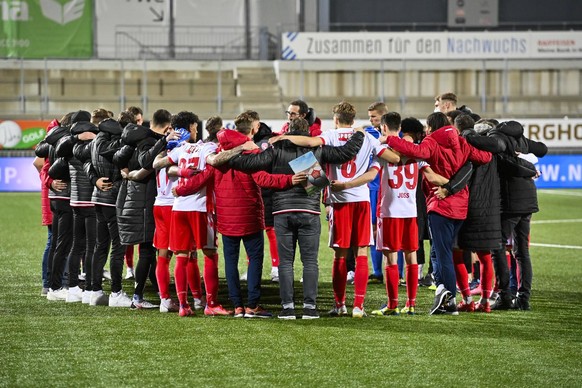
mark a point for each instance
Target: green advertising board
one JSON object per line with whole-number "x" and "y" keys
{"x": 35, "y": 29}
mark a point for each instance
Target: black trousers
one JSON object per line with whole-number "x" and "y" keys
{"x": 61, "y": 241}
{"x": 518, "y": 227}
{"x": 107, "y": 234}
{"x": 145, "y": 264}
{"x": 84, "y": 233}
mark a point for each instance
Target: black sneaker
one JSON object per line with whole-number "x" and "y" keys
{"x": 448, "y": 307}
{"x": 426, "y": 281}
{"x": 287, "y": 314}
{"x": 310, "y": 313}
{"x": 439, "y": 301}
{"x": 501, "y": 304}
{"x": 375, "y": 279}
{"x": 520, "y": 304}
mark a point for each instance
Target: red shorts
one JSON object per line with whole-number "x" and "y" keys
{"x": 191, "y": 230}
{"x": 397, "y": 234}
{"x": 350, "y": 225}
{"x": 163, "y": 219}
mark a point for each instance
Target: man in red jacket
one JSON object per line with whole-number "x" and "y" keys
{"x": 240, "y": 213}
{"x": 446, "y": 152}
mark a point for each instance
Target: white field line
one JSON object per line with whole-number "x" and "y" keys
{"x": 571, "y": 220}
{"x": 577, "y": 193}
{"x": 556, "y": 246}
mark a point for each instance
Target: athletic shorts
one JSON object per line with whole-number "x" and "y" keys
{"x": 350, "y": 225}
{"x": 163, "y": 219}
{"x": 190, "y": 230}
{"x": 397, "y": 234}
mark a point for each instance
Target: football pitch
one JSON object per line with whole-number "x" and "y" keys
{"x": 46, "y": 343}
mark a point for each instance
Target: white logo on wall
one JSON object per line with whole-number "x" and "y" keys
{"x": 62, "y": 13}
{"x": 10, "y": 134}
{"x": 14, "y": 10}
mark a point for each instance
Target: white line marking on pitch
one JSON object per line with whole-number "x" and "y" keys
{"x": 562, "y": 192}
{"x": 556, "y": 246}
{"x": 557, "y": 221}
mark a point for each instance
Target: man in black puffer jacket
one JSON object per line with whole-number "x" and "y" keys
{"x": 82, "y": 133}
{"x": 59, "y": 196}
{"x": 135, "y": 200}
{"x": 518, "y": 202}
{"x": 296, "y": 212}
{"x": 106, "y": 179}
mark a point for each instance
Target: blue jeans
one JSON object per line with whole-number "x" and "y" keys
{"x": 254, "y": 246}
{"x": 45, "y": 257}
{"x": 304, "y": 229}
{"x": 444, "y": 231}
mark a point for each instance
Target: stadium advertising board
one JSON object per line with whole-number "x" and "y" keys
{"x": 431, "y": 45}
{"x": 21, "y": 134}
{"x": 33, "y": 29}
{"x": 557, "y": 171}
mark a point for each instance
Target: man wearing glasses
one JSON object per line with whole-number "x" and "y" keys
{"x": 299, "y": 109}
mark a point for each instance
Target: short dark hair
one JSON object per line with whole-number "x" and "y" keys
{"x": 299, "y": 125}
{"x": 66, "y": 120}
{"x": 464, "y": 121}
{"x": 136, "y": 110}
{"x": 345, "y": 112}
{"x": 161, "y": 117}
{"x": 452, "y": 115}
{"x": 213, "y": 125}
{"x": 392, "y": 120}
{"x": 449, "y": 97}
{"x": 411, "y": 125}
{"x": 126, "y": 117}
{"x": 183, "y": 120}
{"x": 303, "y": 108}
{"x": 437, "y": 120}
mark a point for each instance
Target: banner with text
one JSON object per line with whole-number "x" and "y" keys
{"x": 431, "y": 45}
{"x": 560, "y": 171}
{"x": 34, "y": 29}
{"x": 22, "y": 134}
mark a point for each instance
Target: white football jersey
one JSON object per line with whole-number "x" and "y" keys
{"x": 353, "y": 168}
{"x": 192, "y": 155}
{"x": 398, "y": 183}
{"x": 164, "y": 184}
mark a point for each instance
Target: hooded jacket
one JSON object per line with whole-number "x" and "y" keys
{"x": 81, "y": 187}
{"x": 239, "y": 205}
{"x": 100, "y": 162}
{"x": 59, "y": 168}
{"x": 135, "y": 200}
{"x": 518, "y": 192}
{"x": 446, "y": 152}
{"x": 276, "y": 159}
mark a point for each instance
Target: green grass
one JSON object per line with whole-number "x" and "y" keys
{"x": 56, "y": 344}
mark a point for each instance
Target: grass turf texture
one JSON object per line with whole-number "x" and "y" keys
{"x": 57, "y": 344}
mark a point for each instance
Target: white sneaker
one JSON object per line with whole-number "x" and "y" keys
{"x": 106, "y": 274}
{"x": 119, "y": 299}
{"x": 129, "y": 274}
{"x": 275, "y": 274}
{"x": 60, "y": 294}
{"x": 99, "y": 298}
{"x": 358, "y": 313}
{"x": 74, "y": 295}
{"x": 168, "y": 306}
{"x": 243, "y": 277}
{"x": 82, "y": 277}
{"x": 143, "y": 304}
{"x": 86, "y": 297}
{"x": 350, "y": 277}
{"x": 198, "y": 305}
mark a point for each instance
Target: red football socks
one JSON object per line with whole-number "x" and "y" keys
{"x": 411, "y": 283}
{"x": 163, "y": 276}
{"x": 339, "y": 272}
{"x": 391, "y": 275}
{"x": 181, "y": 279}
{"x": 360, "y": 281}
{"x": 486, "y": 269}
{"x": 461, "y": 272}
{"x": 273, "y": 246}
{"x": 194, "y": 277}
{"x": 211, "y": 279}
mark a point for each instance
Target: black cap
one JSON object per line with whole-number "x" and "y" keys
{"x": 81, "y": 115}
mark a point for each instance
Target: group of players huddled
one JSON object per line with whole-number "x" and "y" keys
{"x": 112, "y": 183}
